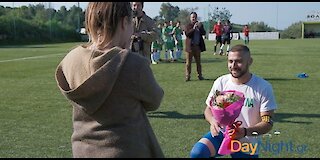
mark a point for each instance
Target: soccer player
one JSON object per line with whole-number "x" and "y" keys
{"x": 172, "y": 54}
{"x": 226, "y": 36}
{"x": 168, "y": 41}
{"x": 256, "y": 113}
{"x": 177, "y": 35}
{"x": 246, "y": 34}
{"x": 217, "y": 29}
{"x": 156, "y": 46}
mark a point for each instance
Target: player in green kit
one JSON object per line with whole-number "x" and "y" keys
{"x": 156, "y": 46}
{"x": 168, "y": 41}
{"x": 177, "y": 35}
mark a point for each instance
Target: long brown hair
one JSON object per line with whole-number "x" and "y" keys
{"x": 102, "y": 19}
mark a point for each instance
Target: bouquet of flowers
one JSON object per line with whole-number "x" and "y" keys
{"x": 226, "y": 106}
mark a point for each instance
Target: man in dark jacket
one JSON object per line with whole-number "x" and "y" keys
{"x": 194, "y": 45}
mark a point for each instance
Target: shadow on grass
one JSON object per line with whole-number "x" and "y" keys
{"x": 205, "y": 79}
{"x": 280, "y": 79}
{"x": 25, "y": 46}
{"x": 267, "y": 79}
{"x": 281, "y": 117}
{"x": 212, "y": 60}
{"x": 175, "y": 115}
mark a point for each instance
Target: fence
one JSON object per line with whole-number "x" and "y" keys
{"x": 252, "y": 35}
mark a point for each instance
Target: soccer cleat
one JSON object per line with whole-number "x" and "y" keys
{"x": 187, "y": 79}
{"x": 200, "y": 78}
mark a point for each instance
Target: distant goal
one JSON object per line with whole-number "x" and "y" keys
{"x": 310, "y": 30}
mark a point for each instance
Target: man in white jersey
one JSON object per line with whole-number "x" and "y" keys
{"x": 256, "y": 114}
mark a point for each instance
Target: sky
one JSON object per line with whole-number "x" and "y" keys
{"x": 279, "y": 15}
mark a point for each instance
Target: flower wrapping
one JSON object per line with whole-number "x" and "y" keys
{"x": 225, "y": 147}
{"x": 229, "y": 111}
{"x": 226, "y": 106}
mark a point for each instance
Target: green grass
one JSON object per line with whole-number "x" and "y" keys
{"x": 36, "y": 119}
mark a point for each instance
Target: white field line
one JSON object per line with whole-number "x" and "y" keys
{"x": 34, "y": 57}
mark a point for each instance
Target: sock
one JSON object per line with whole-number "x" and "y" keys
{"x": 157, "y": 56}
{"x": 166, "y": 55}
{"x": 215, "y": 49}
{"x": 178, "y": 53}
{"x": 228, "y": 47}
{"x": 200, "y": 150}
{"x": 171, "y": 54}
{"x": 152, "y": 56}
{"x": 221, "y": 48}
{"x": 181, "y": 53}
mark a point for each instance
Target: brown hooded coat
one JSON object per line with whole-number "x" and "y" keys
{"x": 110, "y": 94}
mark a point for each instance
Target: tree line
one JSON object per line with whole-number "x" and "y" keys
{"x": 40, "y": 24}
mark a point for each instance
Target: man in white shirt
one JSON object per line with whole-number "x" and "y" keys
{"x": 256, "y": 114}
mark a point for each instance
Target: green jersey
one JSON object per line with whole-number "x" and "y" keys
{"x": 178, "y": 33}
{"x": 166, "y": 34}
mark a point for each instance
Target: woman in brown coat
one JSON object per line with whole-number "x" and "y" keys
{"x": 110, "y": 88}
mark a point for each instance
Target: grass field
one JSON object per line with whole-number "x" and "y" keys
{"x": 36, "y": 119}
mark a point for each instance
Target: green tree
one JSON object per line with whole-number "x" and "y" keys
{"x": 217, "y": 13}
{"x": 169, "y": 12}
{"x": 73, "y": 17}
{"x": 2, "y": 11}
{"x": 6, "y": 26}
{"x": 25, "y": 13}
{"x": 158, "y": 20}
{"x": 38, "y": 24}
{"x": 41, "y": 16}
{"x": 293, "y": 31}
{"x": 61, "y": 14}
{"x": 260, "y": 27}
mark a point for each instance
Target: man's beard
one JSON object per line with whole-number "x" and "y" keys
{"x": 239, "y": 74}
